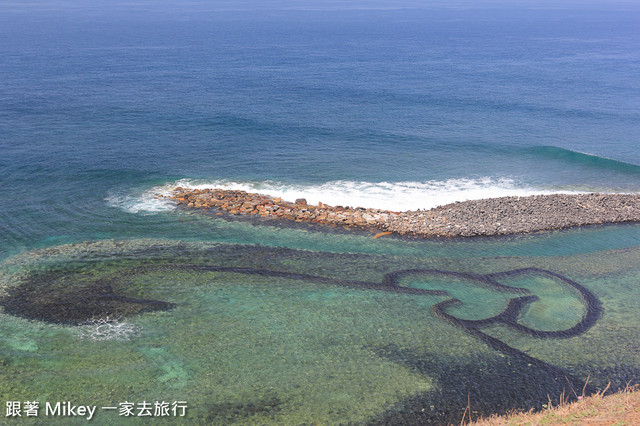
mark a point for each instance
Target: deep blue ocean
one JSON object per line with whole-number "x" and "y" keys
{"x": 358, "y": 103}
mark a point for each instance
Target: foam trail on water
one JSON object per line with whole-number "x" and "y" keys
{"x": 107, "y": 329}
{"x": 397, "y": 196}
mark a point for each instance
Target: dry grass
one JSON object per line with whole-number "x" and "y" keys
{"x": 620, "y": 408}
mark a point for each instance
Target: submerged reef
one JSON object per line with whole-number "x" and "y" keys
{"x": 57, "y": 298}
{"x": 493, "y": 216}
{"x": 270, "y": 335}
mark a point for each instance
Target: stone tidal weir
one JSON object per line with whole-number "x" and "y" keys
{"x": 493, "y": 216}
{"x": 255, "y": 334}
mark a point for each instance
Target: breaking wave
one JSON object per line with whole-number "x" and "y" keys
{"x": 397, "y": 196}
{"x": 584, "y": 159}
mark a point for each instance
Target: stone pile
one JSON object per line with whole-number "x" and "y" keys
{"x": 494, "y": 216}
{"x": 241, "y": 202}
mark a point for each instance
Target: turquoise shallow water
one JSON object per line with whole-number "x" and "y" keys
{"x": 109, "y": 294}
{"x": 254, "y": 334}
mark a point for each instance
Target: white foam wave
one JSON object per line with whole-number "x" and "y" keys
{"x": 143, "y": 201}
{"x": 107, "y": 329}
{"x": 397, "y": 196}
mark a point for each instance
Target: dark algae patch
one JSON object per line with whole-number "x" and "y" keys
{"x": 55, "y": 297}
{"x": 225, "y": 413}
{"x": 252, "y": 334}
{"x": 480, "y": 383}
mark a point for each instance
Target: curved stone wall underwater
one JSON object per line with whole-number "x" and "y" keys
{"x": 253, "y": 334}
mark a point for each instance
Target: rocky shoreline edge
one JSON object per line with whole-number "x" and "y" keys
{"x": 486, "y": 217}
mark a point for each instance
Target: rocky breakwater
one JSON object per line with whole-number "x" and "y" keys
{"x": 241, "y": 202}
{"x": 493, "y": 216}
